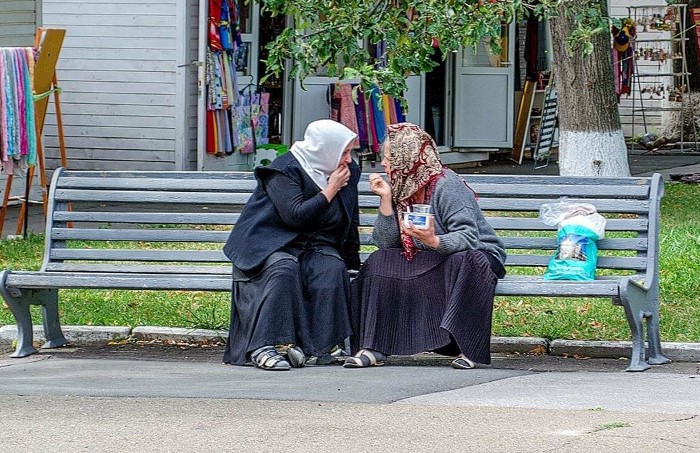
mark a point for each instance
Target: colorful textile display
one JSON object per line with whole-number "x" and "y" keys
{"x": 367, "y": 116}
{"x": 623, "y": 55}
{"x": 18, "y": 146}
{"x": 252, "y": 112}
{"x": 230, "y": 114}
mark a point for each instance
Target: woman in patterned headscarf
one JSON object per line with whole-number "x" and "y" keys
{"x": 425, "y": 289}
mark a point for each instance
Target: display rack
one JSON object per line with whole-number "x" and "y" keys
{"x": 542, "y": 147}
{"x": 535, "y": 129}
{"x": 661, "y": 38}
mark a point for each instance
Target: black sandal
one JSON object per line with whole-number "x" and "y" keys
{"x": 267, "y": 358}
{"x": 463, "y": 363}
{"x": 365, "y": 358}
{"x": 296, "y": 357}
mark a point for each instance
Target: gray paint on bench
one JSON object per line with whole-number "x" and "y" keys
{"x": 98, "y": 220}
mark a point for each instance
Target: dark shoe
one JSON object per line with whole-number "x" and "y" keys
{"x": 325, "y": 359}
{"x": 296, "y": 357}
{"x": 365, "y": 358}
{"x": 267, "y": 358}
{"x": 463, "y": 363}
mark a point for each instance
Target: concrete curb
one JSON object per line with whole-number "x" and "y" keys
{"x": 74, "y": 334}
{"x": 678, "y": 352}
{"x": 177, "y": 334}
{"x": 87, "y": 335}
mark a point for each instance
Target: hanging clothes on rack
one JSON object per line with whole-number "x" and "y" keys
{"x": 252, "y": 111}
{"x": 224, "y": 41}
{"x": 18, "y": 146}
{"x": 367, "y": 115}
{"x": 623, "y": 56}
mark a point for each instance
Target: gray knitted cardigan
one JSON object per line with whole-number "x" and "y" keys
{"x": 459, "y": 222}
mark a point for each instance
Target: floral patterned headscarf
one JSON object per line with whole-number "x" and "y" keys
{"x": 415, "y": 168}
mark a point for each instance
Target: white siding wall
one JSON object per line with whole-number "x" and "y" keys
{"x": 18, "y": 21}
{"x": 192, "y": 41}
{"x": 118, "y": 72}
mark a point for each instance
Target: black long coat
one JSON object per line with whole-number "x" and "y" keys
{"x": 260, "y": 230}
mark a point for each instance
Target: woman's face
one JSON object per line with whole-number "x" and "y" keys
{"x": 386, "y": 151}
{"x": 346, "y": 157}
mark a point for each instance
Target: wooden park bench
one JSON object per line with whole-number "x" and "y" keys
{"x": 98, "y": 221}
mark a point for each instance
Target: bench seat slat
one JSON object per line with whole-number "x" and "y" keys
{"x": 160, "y": 184}
{"x": 511, "y": 242}
{"x": 151, "y": 234}
{"x": 533, "y": 204}
{"x": 147, "y": 174}
{"x": 519, "y": 285}
{"x": 640, "y": 224}
{"x": 138, "y": 268}
{"x": 508, "y": 203}
{"x": 536, "y": 180}
{"x": 198, "y": 218}
{"x": 120, "y": 281}
{"x": 549, "y": 190}
{"x": 535, "y": 286}
{"x": 531, "y": 224}
{"x": 137, "y": 196}
{"x": 185, "y": 256}
{"x": 604, "y": 262}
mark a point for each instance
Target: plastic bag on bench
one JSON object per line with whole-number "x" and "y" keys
{"x": 580, "y": 226}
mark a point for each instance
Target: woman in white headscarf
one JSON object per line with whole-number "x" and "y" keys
{"x": 291, "y": 248}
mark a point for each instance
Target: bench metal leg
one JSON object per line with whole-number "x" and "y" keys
{"x": 23, "y": 319}
{"x": 19, "y": 302}
{"x": 52, "y": 326}
{"x": 634, "y": 318}
{"x": 640, "y": 306}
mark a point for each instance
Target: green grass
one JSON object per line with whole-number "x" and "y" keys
{"x": 568, "y": 318}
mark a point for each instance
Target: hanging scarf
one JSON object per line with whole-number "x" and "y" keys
{"x": 18, "y": 145}
{"x": 415, "y": 168}
{"x": 320, "y": 152}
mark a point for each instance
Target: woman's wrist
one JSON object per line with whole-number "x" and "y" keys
{"x": 330, "y": 191}
{"x": 385, "y": 206}
{"x": 433, "y": 242}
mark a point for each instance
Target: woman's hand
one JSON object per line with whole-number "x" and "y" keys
{"x": 338, "y": 179}
{"x": 427, "y": 236}
{"x": 378, "y": 185}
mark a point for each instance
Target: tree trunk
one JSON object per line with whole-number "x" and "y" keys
{"x": 590, "y": 136}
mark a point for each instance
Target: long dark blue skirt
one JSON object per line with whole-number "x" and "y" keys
{"x": 432, "y": 303}
{"x": 294, "y": 299}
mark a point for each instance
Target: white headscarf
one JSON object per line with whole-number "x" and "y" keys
{"x": 320, "y": 152}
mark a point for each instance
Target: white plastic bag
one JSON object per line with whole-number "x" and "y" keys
{"x": 580, "y": 227}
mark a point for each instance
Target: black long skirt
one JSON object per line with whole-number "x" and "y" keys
{"x": 301, "y": 300}
{"x": 432, "y": 303}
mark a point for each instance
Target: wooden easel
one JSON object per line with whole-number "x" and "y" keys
{"x": 48, "y": 41}
{"x": 521, "y": 126}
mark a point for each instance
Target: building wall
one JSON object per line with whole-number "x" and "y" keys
{"x": 18, "y": 20}
{"x": 118, "y": 72}
{"x": 192, "y": 41}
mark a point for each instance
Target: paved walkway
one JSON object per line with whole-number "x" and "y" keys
{"x": 83, "y": 399}
{"x": 177, "y": 398}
